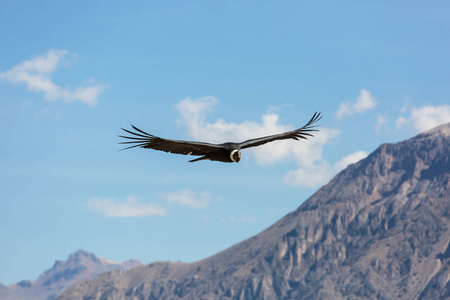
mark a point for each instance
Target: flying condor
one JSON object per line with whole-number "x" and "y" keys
{"x": 226, "y": 152}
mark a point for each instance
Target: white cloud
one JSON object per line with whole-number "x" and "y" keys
{"x": 131, "y": 207}
{"x": 312, "y": 169}
{"x": 194, "y": 111}
{"x": 364, "y": 102}
{"x": 317, "y": 174}
{"x": 189, "y": 198}
{"x": 35, "y": 75}
{"x": 425, "y": 117}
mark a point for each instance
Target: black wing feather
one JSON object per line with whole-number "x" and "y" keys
{"x": 300, "y": 133}
{"x": 143, "y": 139}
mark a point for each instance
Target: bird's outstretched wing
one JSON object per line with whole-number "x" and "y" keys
{"x": 300, "y": 133}
{"x": 143, "y": 139}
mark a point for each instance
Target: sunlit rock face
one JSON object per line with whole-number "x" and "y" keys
{"x": 378, "y": 230}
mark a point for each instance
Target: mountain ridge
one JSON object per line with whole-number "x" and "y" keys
{"x": 80, "y": 265}
{"x": 378, "y": 229}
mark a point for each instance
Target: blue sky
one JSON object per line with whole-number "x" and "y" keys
{"x": 73, "y": 73}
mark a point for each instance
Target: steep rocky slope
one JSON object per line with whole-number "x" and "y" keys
{"x": 378, "y": 230}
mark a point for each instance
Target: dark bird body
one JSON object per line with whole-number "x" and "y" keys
{"x": 226, "y": 152}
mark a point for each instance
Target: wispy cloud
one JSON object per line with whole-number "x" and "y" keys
{"x": 364, "y": 102}
{"x": 134, "y": 207}
{"x": 381, "y": 121}
{"x": 244, "y": 218}
{"x": 348, "y": 160}
{"x": 131, "y": 207}
{"x": 425, "y": 117}
{"x": 312, "y": 169}
{"x": 35, "y": 75}
{"x": 189, "y": 198}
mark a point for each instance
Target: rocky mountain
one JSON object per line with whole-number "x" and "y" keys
{"x": 378, "y": 230}
{"x": 79, "y": 266}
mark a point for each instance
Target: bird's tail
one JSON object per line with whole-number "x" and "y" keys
{"x": 197, "y": 159}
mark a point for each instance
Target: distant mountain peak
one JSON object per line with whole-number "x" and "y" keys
{"x": 81, "y": 253}
{"x": 80, "y": 265}
{"x": 82, "y": 256}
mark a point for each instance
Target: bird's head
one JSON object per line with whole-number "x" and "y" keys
{"x": 235, "y": 155}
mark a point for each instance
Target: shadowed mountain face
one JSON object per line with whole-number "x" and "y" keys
{"x": 79, "y": 266}
{"x": 378, "y": 230}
